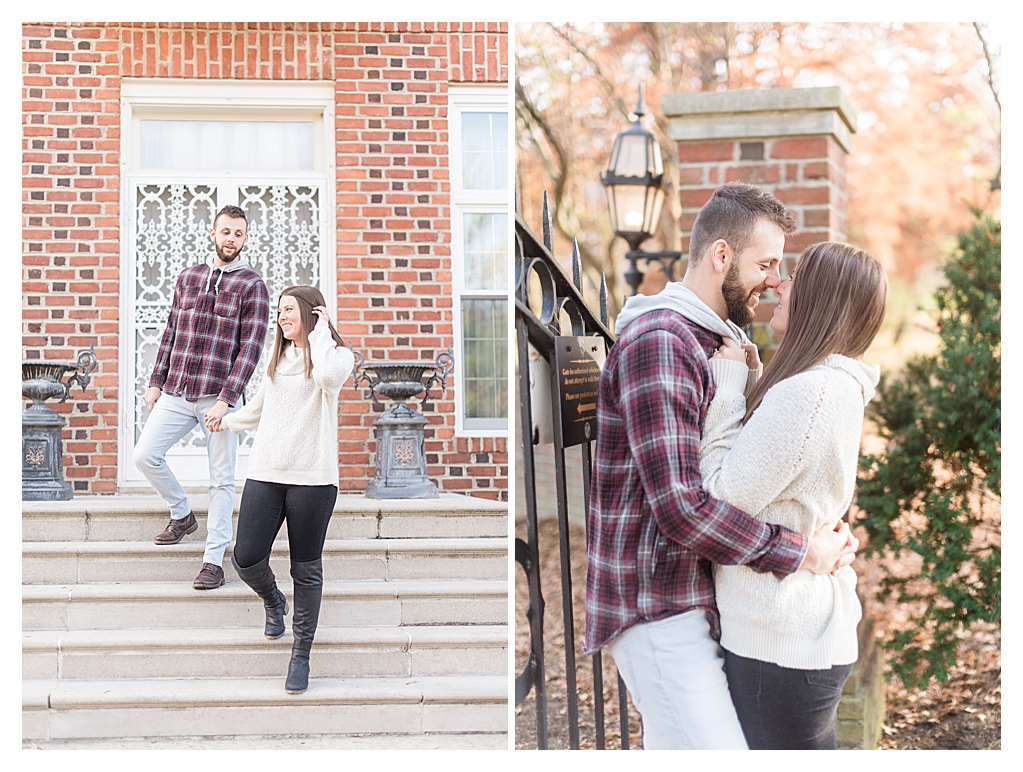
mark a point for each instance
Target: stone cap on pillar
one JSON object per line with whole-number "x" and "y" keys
{"x": 750, "y": 113}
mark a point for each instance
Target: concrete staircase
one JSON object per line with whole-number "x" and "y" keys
{"x": 118, "y": 650}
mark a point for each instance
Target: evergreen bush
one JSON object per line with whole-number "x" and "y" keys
{"x": 934, "y": 494}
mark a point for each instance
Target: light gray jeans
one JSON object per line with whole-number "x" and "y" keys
{"x": 675, "y": 673}
{"x": 172, "y": 418}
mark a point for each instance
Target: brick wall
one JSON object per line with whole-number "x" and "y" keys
{"x": 393, "y": 204}
{"x": 70, "y": 206}
{"x": 806, "y": 173}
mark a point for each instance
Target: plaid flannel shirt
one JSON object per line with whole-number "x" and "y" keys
{"x": 652, "y": 531}
{"x": 215, "y": 334}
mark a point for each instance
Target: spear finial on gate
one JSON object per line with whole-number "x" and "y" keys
{"x": 547, "y": 242}
{"x": 577, "y": 269}
{"x": 603, "y": 299}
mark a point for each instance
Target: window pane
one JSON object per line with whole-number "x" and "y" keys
{"x": 485, "y": 245}
{"x": 231, "y": 145}
{"x": 484, "y": 151}
{"x": 485, "y": 351}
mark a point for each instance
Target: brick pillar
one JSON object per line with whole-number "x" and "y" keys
{"x": 790, "y": 141}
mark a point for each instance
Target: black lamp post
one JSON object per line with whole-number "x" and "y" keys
{"x": 634, "y": 194}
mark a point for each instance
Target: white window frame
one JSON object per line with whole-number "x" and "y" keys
{"x": 166, "y": 98}
{"x": 463, "y": 99}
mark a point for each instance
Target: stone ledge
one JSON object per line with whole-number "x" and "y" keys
{"x": 347, "y": 503}
{"x": 190, "y": 549}
{"x": 428, "y": 741}
{"x": 108, "y": 592}
{"x": 760, "y": 101}
{"x": 231, "y": 638}
{"x": 760, "y": 113}
{"x": 222, "y": 692}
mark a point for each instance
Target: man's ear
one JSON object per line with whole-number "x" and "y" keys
{"x": 721, "y": 256}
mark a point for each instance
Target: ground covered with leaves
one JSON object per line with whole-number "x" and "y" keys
{"x": 964, "y": 713}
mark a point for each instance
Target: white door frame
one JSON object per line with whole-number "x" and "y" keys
{"x": 211, "y": 100}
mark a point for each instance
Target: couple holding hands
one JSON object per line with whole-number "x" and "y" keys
{"x": 209, "y": 351}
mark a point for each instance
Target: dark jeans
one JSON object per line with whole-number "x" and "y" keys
{"x": 781, "y": 708}
{"x": 265, "y": 506}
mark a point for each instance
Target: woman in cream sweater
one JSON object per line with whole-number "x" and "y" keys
{"x": 788, "y": 455}
{"x": 292, "y": 473}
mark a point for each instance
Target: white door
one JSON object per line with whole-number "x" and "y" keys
{"x": 172, "y": 221}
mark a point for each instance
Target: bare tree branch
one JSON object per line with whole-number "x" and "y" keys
{"x": 990, "y": 67}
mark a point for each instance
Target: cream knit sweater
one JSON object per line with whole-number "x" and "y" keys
{"x": 793, "y": 464}
{"x": 296, "y": 443}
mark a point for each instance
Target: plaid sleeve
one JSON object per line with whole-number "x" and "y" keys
{"x": 162, "y": 366}
{"x": 255, "y": 316}
{"x": 663, "y": 382}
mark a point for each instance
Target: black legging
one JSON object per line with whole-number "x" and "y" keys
{"x": 265, "y": 506}
{"x": 781, "y": 708}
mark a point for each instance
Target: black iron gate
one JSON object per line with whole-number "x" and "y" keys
{"x": 560, "y": 302}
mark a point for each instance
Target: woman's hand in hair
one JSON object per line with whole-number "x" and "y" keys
{"x": 731, "y": 350}
{"x": 321, "y": 312}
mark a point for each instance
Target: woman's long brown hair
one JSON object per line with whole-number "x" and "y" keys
{"x": 836, "y": 306}
{"x": 308, "y": 298}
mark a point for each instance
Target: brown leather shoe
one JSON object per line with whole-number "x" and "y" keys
{"x": 176, "y": 530}
{"x": 209, "y": 578}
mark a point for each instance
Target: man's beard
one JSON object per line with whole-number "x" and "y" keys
{"x": 224, "y": 258}
{"x": 737, "y": 297}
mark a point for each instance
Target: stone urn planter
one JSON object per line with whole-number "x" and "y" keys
{"x": 42, "y": 452}
{"x": 400, "y": 455}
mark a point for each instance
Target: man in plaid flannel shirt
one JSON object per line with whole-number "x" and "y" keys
{"x": 653, "y": 532}
{"x": 210, "y": 348}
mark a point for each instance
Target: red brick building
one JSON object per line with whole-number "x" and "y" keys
{"x": 371, "y": 159}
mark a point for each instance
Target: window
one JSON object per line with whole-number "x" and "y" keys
{"x": 478, "y": 118}
{"x": 227, "y": 145}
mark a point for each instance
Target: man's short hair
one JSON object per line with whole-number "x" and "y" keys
{"x": 233, "y": 211}
{"x": 732, "y": 214}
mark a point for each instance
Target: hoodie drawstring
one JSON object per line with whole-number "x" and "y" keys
{"x": 209, "y": 278}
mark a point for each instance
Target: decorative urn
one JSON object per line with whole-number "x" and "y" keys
{"x": 400, "y": 454}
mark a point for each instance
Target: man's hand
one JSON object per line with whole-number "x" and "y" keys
{"x": 831, "y": 548}
{"x": 213, "y": 416}
{"x": 151, "y": 396}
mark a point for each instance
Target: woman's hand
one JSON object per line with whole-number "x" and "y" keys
{"x": 752, "y": 355}
{"x": 321, "y": 312}
{"x": 731, "y": 350}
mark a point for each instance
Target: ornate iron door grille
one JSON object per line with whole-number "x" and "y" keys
{"x": 559, "y": 297}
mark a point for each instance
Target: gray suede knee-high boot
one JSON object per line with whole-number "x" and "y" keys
{"x": 261, "y": 579}
{"x": 308, "y": 578}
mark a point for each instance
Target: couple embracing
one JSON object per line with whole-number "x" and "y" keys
{"x": 719, "y": 574}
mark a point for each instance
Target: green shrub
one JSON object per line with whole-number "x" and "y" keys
{"x": 932, "y": 492}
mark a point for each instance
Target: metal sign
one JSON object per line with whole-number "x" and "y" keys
{"x": 579, "y": 361}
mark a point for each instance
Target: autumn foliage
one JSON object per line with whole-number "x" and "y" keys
{"x": 927, "y": 139}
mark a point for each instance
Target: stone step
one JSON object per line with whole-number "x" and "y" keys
{"x": 175, "y": 604}
{"x": 69, "y": 709}
{"x": 241, "y": 653}
{"x": 140, "y": 518}
{"x": 351, "y": 559}
{"x": 453, "y": 741}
